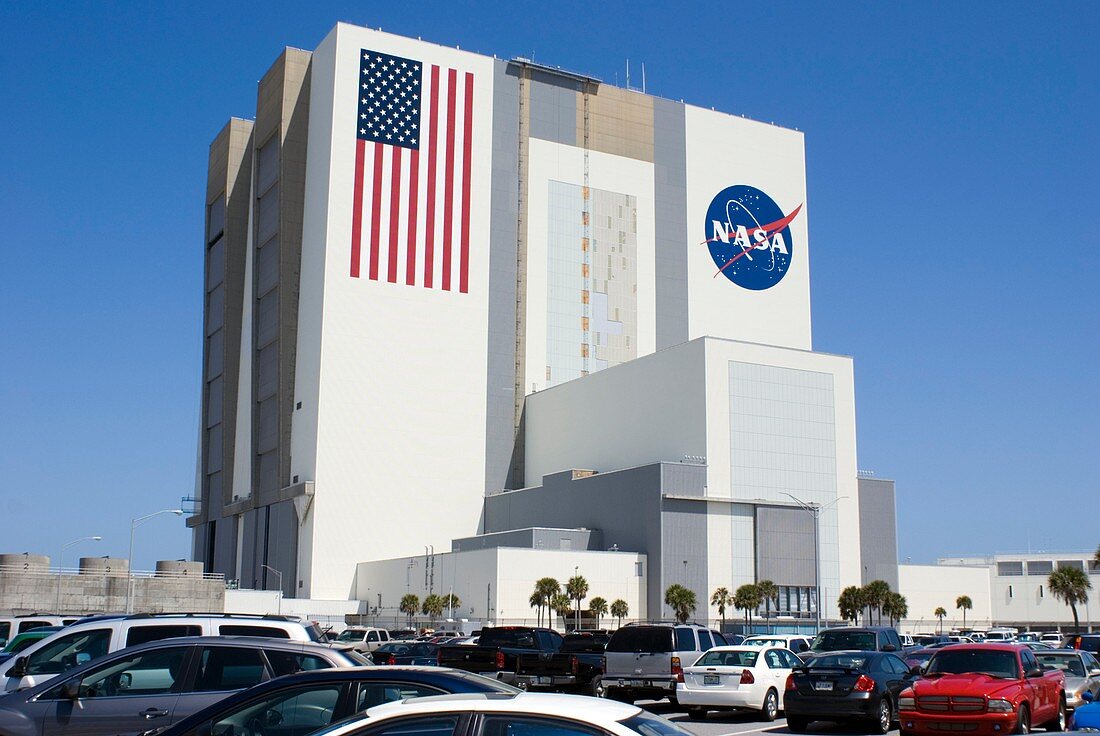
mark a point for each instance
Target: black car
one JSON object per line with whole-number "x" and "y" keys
{"x": 855, "y": 638}
{"x": 302, "y": 703}
{"x": 406, "y": 652}
{"x": 846, "y": 686}
{"x": 1084, "y": 642}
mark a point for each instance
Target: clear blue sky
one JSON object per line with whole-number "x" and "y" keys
{"x": 952, "y": 161}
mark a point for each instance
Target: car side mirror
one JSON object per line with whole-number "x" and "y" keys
{"x": 71, "y": 690}
{"x": 1036, "y": 672}
{"x": 889, "y": 648}
{"x": 916, "y": 670}
{"x": 18, "y": 668}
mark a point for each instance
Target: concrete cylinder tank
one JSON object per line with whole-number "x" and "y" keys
{"x": 104, "y": 566}
{"x": 178, "y": 569}
{"x": 24, "y": 563}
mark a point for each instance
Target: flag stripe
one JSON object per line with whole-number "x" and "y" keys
{"x": 448, "y": 195}
{"x": 414, "y": 192}
{"x": 467, "y": 124}
{"x": 375, "y": 211}
{"x": 357, "y": 213}
{"x": 433, "y": 137}
{"x": 395, "y": 214}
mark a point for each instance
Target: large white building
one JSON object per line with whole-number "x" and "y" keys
{"x": 436, "y": 278}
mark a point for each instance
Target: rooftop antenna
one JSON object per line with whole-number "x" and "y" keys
{"x": 643, "y": 77}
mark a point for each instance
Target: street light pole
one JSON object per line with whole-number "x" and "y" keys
{"x": 814, "y": 510}
{"x": 130, "y": 561}
{"x": 272, "y": 569}
{"x": 60, "y": 559}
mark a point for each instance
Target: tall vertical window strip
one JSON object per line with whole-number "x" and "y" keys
{"x": 265, "y": 294}
{"x": 215, "y": 352}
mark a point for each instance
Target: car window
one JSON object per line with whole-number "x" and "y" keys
{"x": 520, "y": 725}
{"x": 423, "y": 726}
{"x": 69, "y": 651}
{"x": 272, "y": 632}
{"x": 376, "y": 692}
{"x": 895, "y": 665}
{"x": 685, "y": 640}
{"x": 287, "y": 663}
{"x": 229, "y": 668}
{"x": 350, "y": 635}
{"x": 719, "y": 640}
{"x": 997, "y": 664}
{"x": 30, "y": 624}
{"x": 143, "y": 634}
{"x": 153, "y": 672}
{"x": 799, "y": 645}
{"x": 705, "y": 642}
{"x": 639, "y": 639}
{"x": 718, "y": 658}
{"x": 791, "y": 660}
{"x": 507, "y": 637}
{"x": 1027, "y": 659}
{"x": 291, "y": 712}
{"x": 372, "y": 636}
{"x": 773, "y": 660}
{"x": 833, "y": 641}
{"x": 648, "y": 724}
{"x": 847, "y": 661}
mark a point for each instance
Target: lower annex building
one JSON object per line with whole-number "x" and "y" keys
{"x": 462, "y": 296}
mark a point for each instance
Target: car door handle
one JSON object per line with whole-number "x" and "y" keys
{"x": 151, "y": 713}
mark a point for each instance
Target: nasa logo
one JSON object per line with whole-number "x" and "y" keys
{"x": 749, "y": 237}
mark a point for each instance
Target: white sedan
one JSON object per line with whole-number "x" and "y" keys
{"x": 741, "y": 677}
{"x": 505, "y": 714}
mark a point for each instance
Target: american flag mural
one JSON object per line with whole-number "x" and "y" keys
{"x": 411, "y": 216}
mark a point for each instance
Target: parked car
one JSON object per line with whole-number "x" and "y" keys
{"x": 1053, "y": 638}
{"x": 151, "y": 685}
{"x": 745, "y": 677}
{"x": 648, "y": 660}
{"x": 793, "y": 642}
{"x": 405, "y": 652}
{"x": 856, "y": 686}
{"x": 307, "y": 701}
{"x": 24, "y": 640}
{"x": 1087, "y": 642}
{"x": 1000, "y": 636}
{"x": 530, "y": 714}
{"x": 577, "y": 666}
{"x": 855, "y": 638}
{"x": 1025, "y": 637}
{"x": 1081, "y": 670}
{"x": 363, "y": 638}
{"x": 984, "y": 688}
{"x": 497, "y": 650}
{"x": 95, "y": 636}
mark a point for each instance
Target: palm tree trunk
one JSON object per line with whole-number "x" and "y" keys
{"x": 1076, "y": 622}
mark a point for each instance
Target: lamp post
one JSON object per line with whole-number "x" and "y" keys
{"x": 134, "y": 523}
{"x": 577, "y": 613}
{"x": 272, "y": 569}
{"x": 814, "y": 510}
{"x": 60, "y": 559}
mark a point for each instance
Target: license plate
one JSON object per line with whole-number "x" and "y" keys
{"x": 636, "y": 683}
{"x": 545, "y": 680}
{"x": 711, "y": 679}
{"x": 824, "y": 686}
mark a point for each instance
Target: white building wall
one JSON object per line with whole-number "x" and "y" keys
{"x": 928, "y": 587}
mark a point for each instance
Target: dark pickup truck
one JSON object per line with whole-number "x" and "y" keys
{"x": 576, "y": 667}
{"x": 498, "y": 650}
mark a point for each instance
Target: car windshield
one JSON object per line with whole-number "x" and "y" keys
{"x": 832, "y": 641}
{"x": 715, "y": 658}
{"x": 764, "y": 642}
{"x": 845, "y": 661}
{"x": 1068, "y": 663}
{"x": 522, "y": 638}
{"x": 959, "y": 661}
{"x": 648, "y": 724}
{"x": 351, "y": 635}
{"x": 394, "y": 649}
{"x": 641, "y": 639}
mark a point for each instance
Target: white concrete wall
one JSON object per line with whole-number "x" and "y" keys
{"x": 928, "y": 587}
{"x": 392, "y": 377}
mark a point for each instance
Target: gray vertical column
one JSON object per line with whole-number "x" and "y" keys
{"x": 670, "y": 199}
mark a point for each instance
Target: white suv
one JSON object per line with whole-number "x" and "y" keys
{"x": 95, "y": 636}
{"x": 363, "y": 638}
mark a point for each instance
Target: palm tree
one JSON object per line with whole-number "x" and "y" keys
{"x": 850, "y": 603}
{"x": 681, "y": 601}
{"x": 561, "y": 605}
{"x": 547, "y": 588}
{"x": 1071, "y": 585}
{"x": 721, "y": 597}
{"x": 939, "y": 613}
{"x": 577, "y": 590}
{"x": 619, "y": 609}
{"x": 537, "y": 601}
{"x": 747, "y": 599}
{"x": 963, "y": 602}
{"x": 768, "y": 591}
{"x": 410, "y": 604}
{"x": 598, "y": 607}
{"x": 895, "y": 607}
{"x": 876, "y": 592}
{"x": 450, "y": 602}
{"x": 432, "y": 607}
{"x": 1096, "y": 558}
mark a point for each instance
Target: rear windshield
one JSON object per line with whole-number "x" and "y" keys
{"x": 845, "y": 661}
{"x": 394, "y": 649}
{"x": 728, "y": 659}
{"x": 641, "y": 639}
{"x": 1069, "y": 663}
{"x": 833, "y": 641}
{"x": 765, "y": 643}
{"x": 583, "y": 644}
{"x": 956, "y": 662}
{"x": 351, "y": 635}
{"x": 518, "y": 638}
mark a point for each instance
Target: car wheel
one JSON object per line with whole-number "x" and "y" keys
{"x": 1023, "y": 720}
{"x": 770, "y": 709}
{"x": 599, "y": 690}
{"x": 623, "y": 696}
{"x": 884, "y": 718}
{"x": 797, "y": 724}
{"x": 1058, "y": 723}
{"x": 697, "y": 714}
{"x": 672, "y": 699}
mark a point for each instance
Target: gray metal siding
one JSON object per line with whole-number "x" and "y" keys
{"x": 670, "y": 200}
{"x": 683, "y": 556}
{"x": 684, "y": 480}
{"x": 785, "y": 546}
{"x": 553, "y": 109}
{"x": 500, "y": 430}
{"x": 878, "y": 537}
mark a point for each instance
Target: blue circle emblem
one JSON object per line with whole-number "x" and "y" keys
{"x": 749, "y": 237}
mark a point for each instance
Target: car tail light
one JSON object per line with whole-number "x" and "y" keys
{"x": 439, "y": 656}
{"x": 677, "y": 669}
{"x": 574, "y": 665}
{"x": 1076, "y": 642}
{"x": 747, "y": 678}
{"x": 864, "y": 684}
{"x": 790, "y": 682}
{"x": 500, "y": 660}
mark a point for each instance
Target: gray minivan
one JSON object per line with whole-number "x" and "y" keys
{"x": 647, "y": 660}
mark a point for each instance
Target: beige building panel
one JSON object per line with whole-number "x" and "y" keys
{"x": 620, "y": 122}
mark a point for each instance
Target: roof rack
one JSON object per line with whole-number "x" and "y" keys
{"x": 212, "y": 614}
{"x": 665, "y": 621}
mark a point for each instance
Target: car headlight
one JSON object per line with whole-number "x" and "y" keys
{"x": 1000, "y": 705}
{"x": 907, "y": 703}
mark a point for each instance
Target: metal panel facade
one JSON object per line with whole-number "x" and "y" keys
{"x": 784, "y": 545}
